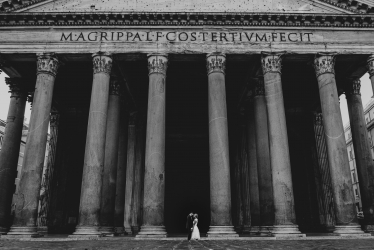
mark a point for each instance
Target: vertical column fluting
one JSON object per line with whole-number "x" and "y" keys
{"x": 10, "y": 148}
{"x": 119, "y": 210}
{"x": 130, "y": 172}
{"x": 253, "y": 174}
{"x": 363, "y": 158}
{"x": 285, "y": 220}
{"x": 265, "y": 185}
{"x": 108, "y": 190}
{"x": 154, "y": 176}
{"x": 89, "y": 209}
{"x": 220, "y": 192}
{"x": 346, "y": 220}
{"x": 27, "y": 199}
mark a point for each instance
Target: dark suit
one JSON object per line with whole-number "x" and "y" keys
{"x": 189, "y": 225}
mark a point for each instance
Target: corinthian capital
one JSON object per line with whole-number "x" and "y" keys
{"x": 157, "y": 63}
{"x": 271, "y": 63}
{"x": 370, "y": 65}
{"x": 114, "y": 86}
{"x": 259, "y": 87}
{"x": 324, "y": 63}
{"x": 216, "y": 62}
{"x": 55, "y": 119}
{"x": 16, "y": 87}
{"x": 318, "y": 118}
{"x": 47, "y": 64}
{"x": 102, "y": 63}
{"x": 354, "y": 89}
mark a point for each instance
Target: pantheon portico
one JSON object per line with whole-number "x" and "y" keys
{"x": 234, "y": 116}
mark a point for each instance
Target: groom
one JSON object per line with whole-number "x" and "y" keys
{"x": 189, "y": 225}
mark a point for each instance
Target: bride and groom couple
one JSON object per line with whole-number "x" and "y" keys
{"x": 191, "y": 226}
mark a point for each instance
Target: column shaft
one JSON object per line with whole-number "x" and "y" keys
{"x": 10, "y": 149}
{"x": 285, "y": 221}
{"x": 346, "y": 221}
{"x": 27, "y": 198}
{"x": 108, "y": 191}
{"x": 130, "y": 172}
{"x": 121, "y": 173}
{"x": 363, "y": 158}
{"x": 245, "y": 182}
{"x": 154, "y": 176}
{"x": 220, "y": 192}
{"x": 263, "y": 158}
{"x": 89, "y": 209}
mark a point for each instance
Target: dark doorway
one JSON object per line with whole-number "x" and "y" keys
{"x": 187, "y": 146}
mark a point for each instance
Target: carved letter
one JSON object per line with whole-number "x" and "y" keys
{"x": 103, "y": 36}
{"x": 89, "y": 36}
{"x": 259, "y": 38}
{"x": 158, "y": 33}
{"x": 167, "y": 36}
{"x": 193, "y": 35}
{"x": 222, "y": 36}
{"x": 249, "y": 38}
{"x": 119, "y": 35}
{"x": 214, "y": 37}
{"x": 274, "y": 36}
{"x": 67, "y": 37}
{"x": 128, "y": 35}
{"x": 137, "y": 36}
{"x": 204, "y": 33}
{"x": 80, "y": 37}
{"x": 179, "y": 36}
{"x": 148, "y": 36}
{"x": 289, "y": 37}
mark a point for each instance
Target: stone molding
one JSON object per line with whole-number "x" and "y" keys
{"x": 102, "y": 63}
{"x": 16, "y": 87}
{"x": 370, "y": 65}
{"x": 216, "y": 63}
{"x": 114, "y": 86}
{"x": 271, "y": 63}
{"x": 324, "y": 63}
{"x": 354, "y": 89}
{"x": 47, "y": 64}
{"x": 259, "y": 88}
{"x": 157, "y": 63}
{"x": 186, "y": 19}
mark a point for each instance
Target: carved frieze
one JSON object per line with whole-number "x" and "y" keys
{"x": 102, "y": 63}
{"x": 216, "y": 62}
{"x": 47, "y": 64}
{"x": 370, "y": 65}
{"x": 324, "y": 63}
{"x": 157, "y": 63}
{"x": 16, "y": 87}
{"x": 114, "y": 86}
{"x": 259, "y": 87}
{"x": 271, "y": 63}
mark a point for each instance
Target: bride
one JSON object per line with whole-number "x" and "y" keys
{"x": 195, "y": 229}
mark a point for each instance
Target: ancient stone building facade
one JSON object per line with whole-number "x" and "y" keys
{"x": 169, "y": 107}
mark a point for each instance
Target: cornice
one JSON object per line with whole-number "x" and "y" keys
{"x": 186, "y": 19}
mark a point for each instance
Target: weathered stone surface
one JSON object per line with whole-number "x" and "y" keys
{"x": 89, "y": 209}
{"x": 345, "y": 211}
{"x": 27, "y": 198}
{"x": 10, "y": 150}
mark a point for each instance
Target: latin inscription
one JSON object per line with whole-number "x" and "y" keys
{"x": 188, "y": 36}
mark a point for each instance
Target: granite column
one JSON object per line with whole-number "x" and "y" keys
{"x": 220, "y": 192}
{"x": 285, "y": 219}
{"x": 108, "y": 191}
{"x": 10, "y": 148}
{"x": 363, "y": 158}
{"x": 89, "y": 209}
{"x": 345, "y": 211}
{"x": 154, "y": 176}
{"x": 265, "y": 185}
{"x": 27, "y": 199}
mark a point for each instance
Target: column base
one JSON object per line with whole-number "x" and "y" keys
{"x": 238, "y": 229}
{"x": 23, "y": 232}
{"x": 246, "y": 229}
{"x": 152, "y": 232}
{"x": 127, "y": 230}
{"x": 287, "y": 231}
{"x": 255, "y": 230}
{"x": 266, "y": 230}
{"x": 135, "y": 229}
{"x": 43, "y": 230}
{"x": 348, "y": 229}
{"x": 368, "y": 229}
{"x": 107, "y": 231}
{"x": 86, "y": 231}
{"x": 119, "y": 231}
{"x": 4, "y": 230}
{"x": 222, "y": 232}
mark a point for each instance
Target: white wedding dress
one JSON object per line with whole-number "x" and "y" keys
{"x": 195, "y": 231}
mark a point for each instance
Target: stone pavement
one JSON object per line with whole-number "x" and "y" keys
{"x": 130, "y": 244}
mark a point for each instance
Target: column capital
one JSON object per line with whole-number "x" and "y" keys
{"x": 54, "y": 119}
{"x": 102, "y": 63}
{"x": 271, "y": 63}
{"x": 16, "y": 87}
{"x": 157, "y": 63}
{"x": 47, "y": 63}
{"x": 259, "y": 89}
{"x": 354, "y": 89}
{"x": 216, "y": 62}
{"x": 370, "y": 65}
{"x": 324, "y": 63}
{"x": 318, "y": 118}
{"x": 114, "y": 86}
